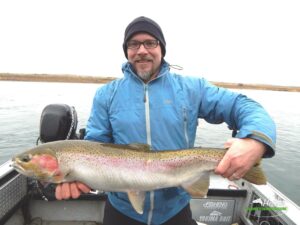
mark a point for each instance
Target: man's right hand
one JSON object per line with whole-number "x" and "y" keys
{"x": 70, "y": 190}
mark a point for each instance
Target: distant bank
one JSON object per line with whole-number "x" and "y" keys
{"x": 94, "y": 79}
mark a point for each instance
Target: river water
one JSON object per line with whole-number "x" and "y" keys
{"x": 21, "y": 104}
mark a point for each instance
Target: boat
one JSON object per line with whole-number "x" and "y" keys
{"x": 26, "y": 201}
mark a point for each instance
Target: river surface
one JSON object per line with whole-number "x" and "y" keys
{"x": 21, "y": 104}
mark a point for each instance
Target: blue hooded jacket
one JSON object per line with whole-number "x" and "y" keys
{"x": 164, "y": 113}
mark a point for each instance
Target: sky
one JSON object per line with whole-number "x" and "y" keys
{"x": 242, "y": 41}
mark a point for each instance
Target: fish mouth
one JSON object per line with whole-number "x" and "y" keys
{"x": 17, "y": 165}
{"x": 23, "y": 169}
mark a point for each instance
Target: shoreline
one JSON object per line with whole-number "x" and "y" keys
{"x": 66, "y": 78}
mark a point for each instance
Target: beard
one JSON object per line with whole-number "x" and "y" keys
{"x": 145, "y": 75}
{"x": 145, "y": 72}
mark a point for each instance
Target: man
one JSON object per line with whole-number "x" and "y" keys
{"x": 154, "y": 106}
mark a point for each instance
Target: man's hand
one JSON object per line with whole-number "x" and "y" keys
{"x": 70, "y": 190}
{"x": 242, "y": 154}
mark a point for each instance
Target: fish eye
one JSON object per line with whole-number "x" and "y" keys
{"x": 25, "y": 158}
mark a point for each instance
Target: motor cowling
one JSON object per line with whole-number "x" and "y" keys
{"x": 58, "y": 122}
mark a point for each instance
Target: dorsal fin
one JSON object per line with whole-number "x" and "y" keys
{"x": 133, "y": 146}
{"x": 139, "y": 147}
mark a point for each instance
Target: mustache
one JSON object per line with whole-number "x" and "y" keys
{"x": 143, "y": 58}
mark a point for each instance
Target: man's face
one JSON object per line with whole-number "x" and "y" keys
{"x": 145, "y": 60}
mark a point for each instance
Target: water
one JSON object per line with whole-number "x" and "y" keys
{"x": 21, "y": 104}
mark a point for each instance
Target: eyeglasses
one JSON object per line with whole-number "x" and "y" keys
{"x": 148, "y": 44}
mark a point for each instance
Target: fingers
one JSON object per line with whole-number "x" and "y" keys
{"x": 65, "y": 192}
{"x": 232, "y": 172}
{"x": 83, "y": 188}
{"x": 75, "y": 193}
{"x": 58, "y": 192}
{"x": 223, "y": 166}
{"x": 228, "y": 168}
{"x": 241, "y": 155}
{"x": 235, "y": 176}
{"x": 231, "y": 167}
{"x": 62, "y": 191}
{"x": 228, "y": 143}
{"x": 70, "y": 190}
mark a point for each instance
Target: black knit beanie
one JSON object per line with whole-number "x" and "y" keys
{"x": 147, "y": 25}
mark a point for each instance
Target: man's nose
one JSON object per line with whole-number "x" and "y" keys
{"x": 142, "y": 50}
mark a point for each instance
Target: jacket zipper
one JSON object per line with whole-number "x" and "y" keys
{"x": 185, "y": 127}
{"x": 150, "y": 213}
{"x": 148, "y": 135}
{"x": 147, "y": 114}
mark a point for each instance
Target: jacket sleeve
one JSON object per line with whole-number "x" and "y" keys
{"x": 241, "y": 113}
{"x": 98, "y": 126}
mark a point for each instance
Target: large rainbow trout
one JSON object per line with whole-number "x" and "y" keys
{"x": 124, "y": 168}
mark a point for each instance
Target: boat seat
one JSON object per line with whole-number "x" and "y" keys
{"x": 227, "y": 193}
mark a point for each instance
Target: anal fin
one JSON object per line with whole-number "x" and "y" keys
{"x": 199, "y": 188}
{"x": 137, "y": 199}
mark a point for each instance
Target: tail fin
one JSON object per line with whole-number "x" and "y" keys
{"x": 256, "y": 175}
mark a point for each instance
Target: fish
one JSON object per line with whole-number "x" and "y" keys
{"x": 133, "y": 168}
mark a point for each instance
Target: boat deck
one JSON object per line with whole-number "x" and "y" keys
{"x": 39, "y": 222}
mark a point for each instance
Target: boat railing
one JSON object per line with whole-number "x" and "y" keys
{"x": 13, "y": 191}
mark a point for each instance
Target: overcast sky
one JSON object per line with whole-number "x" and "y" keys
{"x": 255, "y": 41}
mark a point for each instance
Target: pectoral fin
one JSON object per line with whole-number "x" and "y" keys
{"x": 137, "y": 199}
{"x": 198, "y": 188}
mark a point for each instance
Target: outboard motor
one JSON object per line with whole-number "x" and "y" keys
{"x": 58, "y": 122}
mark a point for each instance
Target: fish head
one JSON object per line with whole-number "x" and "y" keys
{"x": 39, "y": 164}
